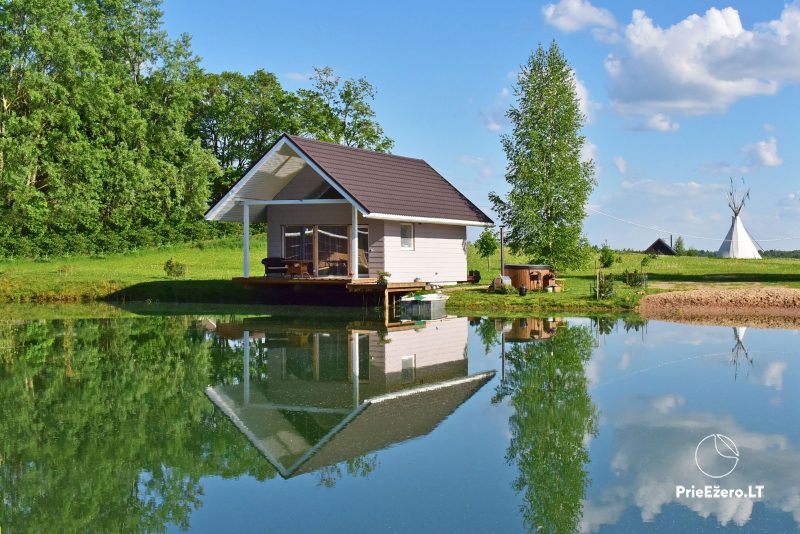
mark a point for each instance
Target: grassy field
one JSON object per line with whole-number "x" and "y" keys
{"x": 665, "y": 273}
{"x": 140, "y": 276}
{"x": 134, "y": 276}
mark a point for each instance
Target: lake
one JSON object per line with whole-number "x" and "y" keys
{"x": 288, "y": 423}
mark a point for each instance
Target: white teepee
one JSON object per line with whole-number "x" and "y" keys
{"x": 738, "y": 243}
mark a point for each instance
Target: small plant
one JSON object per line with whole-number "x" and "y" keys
{"x": 174, "y": 269}
{"x": 487, "y": 244}
{"x": 65, "y": 270}
{"x": 606, "y": 256}
{"x": 633, "y": 279}
{"x": 605, "y": 286}
{"x": 645, "y": 261}
{"x": 383, "y": 277}
{"x": 619, "y": 258}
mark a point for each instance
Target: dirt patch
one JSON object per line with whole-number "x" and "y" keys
{"x": 760, "y": 306}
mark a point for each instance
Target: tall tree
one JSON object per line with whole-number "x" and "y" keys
{"x": 550, "y": 184}
{"x": 341, "y": 112}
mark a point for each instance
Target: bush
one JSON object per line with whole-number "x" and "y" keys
{"x": 605, "y": 287}
{"x": 645, "y": 261}
{"x": 606, "y": 256}
{"x": 634, "y": 279}
{"x": 619, "y": 258}
{"x": 174, "y": 268}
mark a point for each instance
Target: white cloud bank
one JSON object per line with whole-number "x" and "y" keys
{"x": 702, "y": 64}
{"x": 764, "y": 153}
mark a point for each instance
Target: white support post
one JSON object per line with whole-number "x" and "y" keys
{"x": 246, "y": 223}
{"x": 355, "y": 357}
{"x": 354, "y": 245}
{"x": 246, "y": 376}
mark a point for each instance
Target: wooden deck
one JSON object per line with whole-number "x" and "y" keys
{"x": 386, "y": 293}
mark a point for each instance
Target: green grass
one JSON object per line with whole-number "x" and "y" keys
{"x": 134, "y": 276}
{"x": 140, "y": 276}
{"x": 664, "y": 273}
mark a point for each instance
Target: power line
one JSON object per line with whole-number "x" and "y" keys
{"x": 663, "y": 231}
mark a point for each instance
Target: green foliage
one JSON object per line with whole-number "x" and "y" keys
{"x": 692, "y": 252}
{"x": 106, "y": 428}
{"x": 550, "y": 185}
{"x": 174, "y": 269}
{"x": 340, "y": 112}
{"x": 94, "y": 153}
{"x": 645, "y": 261}
{"x": 619, "y": 258}
{"x": 553, "y": 414}
{"x": 633, "y": 278}
{"x": 680, "y": 248}
{"x": 606, "y": 256}
{"x": 604, "y": 286}
{"x": 383, "y": 277}
{"x": 487, "y": 244}
{"x": 113, "y": 139}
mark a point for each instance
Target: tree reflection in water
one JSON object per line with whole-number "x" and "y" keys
{"x": 105, "y": 425}
{"x": 553, "y": 419}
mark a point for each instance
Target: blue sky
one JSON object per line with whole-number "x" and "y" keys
{"x": 680, "y": 95}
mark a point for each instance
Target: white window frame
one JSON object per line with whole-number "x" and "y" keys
{"x": 413, "y": 240}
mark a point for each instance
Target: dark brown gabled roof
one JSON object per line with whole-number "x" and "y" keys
{"x": 387, "y": 184}
{"x": 660, "y": 246}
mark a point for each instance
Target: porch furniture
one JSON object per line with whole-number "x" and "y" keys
{"x": 299, "y": 268}
{"x": 274, "y": 266}
{"x": 474, "y": 277}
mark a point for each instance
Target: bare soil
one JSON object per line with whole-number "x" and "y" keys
{"x": 758, "y": 306}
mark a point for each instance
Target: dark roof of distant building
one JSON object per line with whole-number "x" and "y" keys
{"x": 660, "y": 246}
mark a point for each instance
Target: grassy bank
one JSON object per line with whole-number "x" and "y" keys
{"x": 664, "y": 274}
{"x": 140, "y": 276}
{"x": 134, "y": 276}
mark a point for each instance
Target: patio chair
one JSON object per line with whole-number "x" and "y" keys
{"x": 274, "y": 266}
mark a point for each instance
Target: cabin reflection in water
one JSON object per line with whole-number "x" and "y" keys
{"x": 528, "y": 328}
{"x": 330, "y": 394}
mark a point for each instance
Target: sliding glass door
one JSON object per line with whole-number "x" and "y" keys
{"x": 332, "y": 250}
{"x": 331, "y": 245}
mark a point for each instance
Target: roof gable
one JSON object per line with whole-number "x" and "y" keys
{"x": 386, "y": 184}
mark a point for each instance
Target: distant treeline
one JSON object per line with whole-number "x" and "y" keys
{"x": 713, "y": 253}
{"x": 112, "y": 137}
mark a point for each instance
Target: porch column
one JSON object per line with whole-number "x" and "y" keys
{"x": 354, "y": 245}
{"x": 246, "y": 223}
{"x": 246, "y": 377}
{"x": 355, "y": 356}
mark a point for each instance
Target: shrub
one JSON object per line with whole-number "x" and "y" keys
{"x": 605, "y": 286}
{"x": 645, "y": 261}
{"x": 606, "y": 256}
{"x": 634, "y": 279}
{"x": 383, "y": 277}
{"x": 174, "y": 268}
{"x": 619, "y": 258}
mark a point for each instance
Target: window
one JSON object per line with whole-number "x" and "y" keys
{"x": 407, "y": 236}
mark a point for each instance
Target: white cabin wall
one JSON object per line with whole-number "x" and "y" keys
{"x": 439, "y": 254}
{"x": 439, "y": 342}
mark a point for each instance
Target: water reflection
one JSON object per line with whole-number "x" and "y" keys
{"x": 553, "y": 418}
{"x": 322, "y": 396}
{"x": 104, "y": 426}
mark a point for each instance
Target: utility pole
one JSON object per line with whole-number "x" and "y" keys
{"x": 502, "y": 252}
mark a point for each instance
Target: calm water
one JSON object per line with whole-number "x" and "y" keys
{"x": 292, "y": 424}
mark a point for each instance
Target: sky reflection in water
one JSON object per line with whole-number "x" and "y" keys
{"x": 232, "y": 424}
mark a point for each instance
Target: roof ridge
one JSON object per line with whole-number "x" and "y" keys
{"x": 339, "y": 145}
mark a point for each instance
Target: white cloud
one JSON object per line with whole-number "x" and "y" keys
{"x": 492, "y": 122}
{"x": 478, "y": 162}
{"x": 585, "y": 102}
{"x": 690, "y": 189}
{"x": 504, "y": 92}
{"x": 768, "y": 127}
{"x": 297, "y": 77}
{"x": 621, "y": 165}
{"x": 764, "y": 153}
{"x": 702, "y": 64}
{"x": 659, "y": 122}
{"x": 574, "y": 15}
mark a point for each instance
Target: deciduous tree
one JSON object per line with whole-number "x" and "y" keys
{"x": 550, "y": 184}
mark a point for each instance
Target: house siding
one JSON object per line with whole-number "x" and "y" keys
{"x": 439, "y": 254}
{"x": 439, "y": 342}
